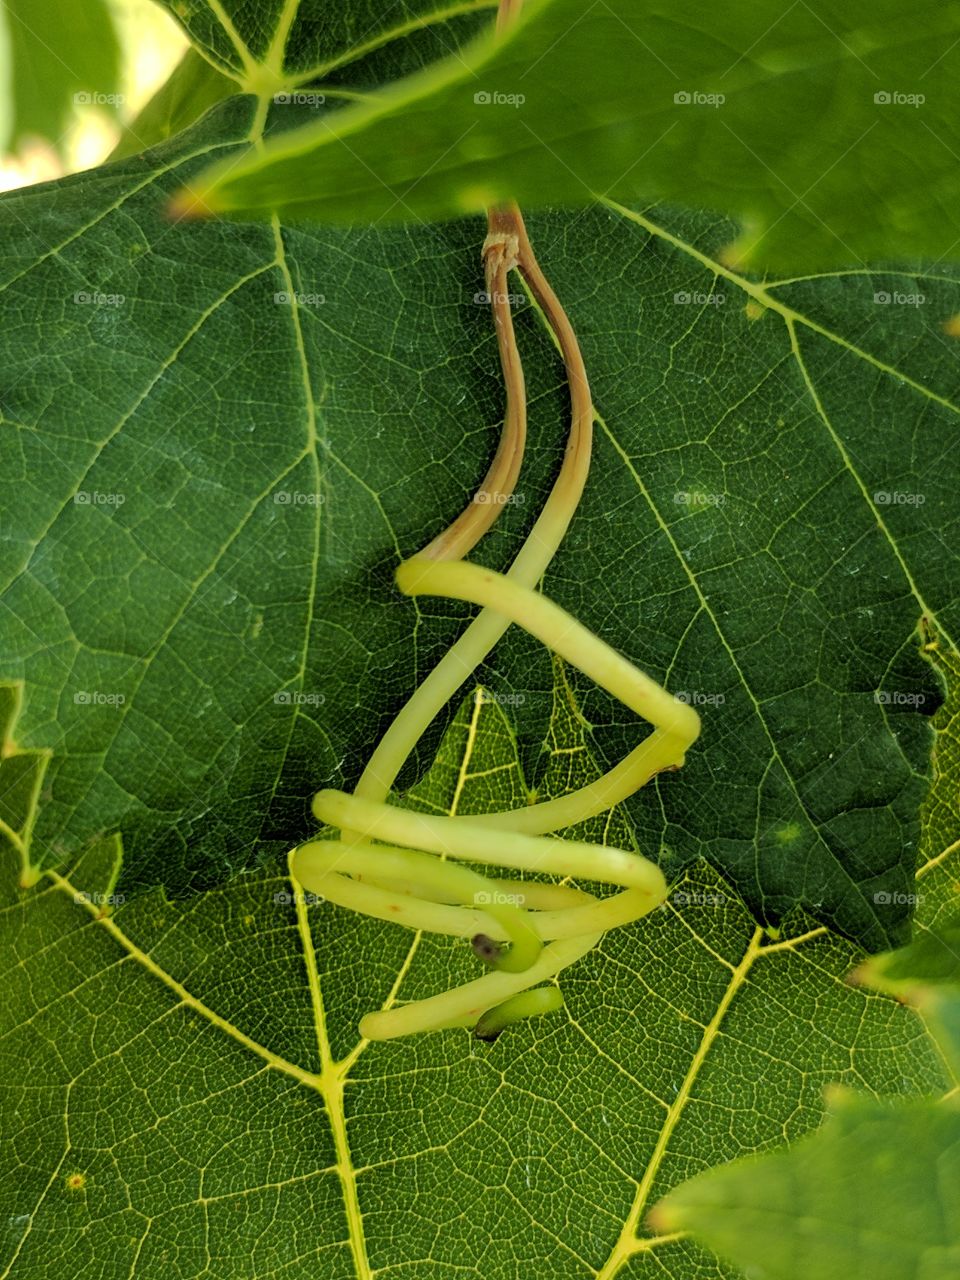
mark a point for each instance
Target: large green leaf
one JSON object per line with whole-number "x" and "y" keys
{"x": 720, "y": 106}
{"x": 198, "y": 1103}
{"x": 206, "y": 490}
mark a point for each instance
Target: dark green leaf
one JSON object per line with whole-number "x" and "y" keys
{"x": 301, "y": 42}
{"x": 275, "y": 462}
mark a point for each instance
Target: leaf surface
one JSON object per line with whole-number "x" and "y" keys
{"x": 872, "y": 1193}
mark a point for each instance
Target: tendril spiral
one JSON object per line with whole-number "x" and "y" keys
{"x": 405, "y": 867}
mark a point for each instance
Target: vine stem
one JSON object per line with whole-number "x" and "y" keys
{"x": 500, "y": 256}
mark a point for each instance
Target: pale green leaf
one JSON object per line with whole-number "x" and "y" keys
{"x": 62, "y": 55}
{"x": 927, "y": 975}
{"x": 830, "y": 137}
{"x": 873, "y": 1196}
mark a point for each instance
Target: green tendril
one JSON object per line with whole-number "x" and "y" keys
{"x": 398, "y": 865}
{"x": 529, "y": 1004}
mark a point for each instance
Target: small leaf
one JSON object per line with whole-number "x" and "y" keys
{"x": 872, "y": 1196}
{"x": 926, "y": 974}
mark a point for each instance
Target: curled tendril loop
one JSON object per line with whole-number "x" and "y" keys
{"x": 526, "y": 931}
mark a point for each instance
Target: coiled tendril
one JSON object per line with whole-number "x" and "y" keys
{"x": 526, "y": 932}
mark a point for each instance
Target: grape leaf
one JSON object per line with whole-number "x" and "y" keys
{"x": 283, "y": 43}
{"x": 722, "y": 107}
{"x": 199, "y": 1104}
